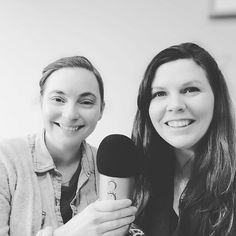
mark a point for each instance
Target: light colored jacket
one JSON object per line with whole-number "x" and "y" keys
{"x": 30, "y": 186}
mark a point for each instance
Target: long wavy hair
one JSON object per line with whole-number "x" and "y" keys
{"x": 209, "y": 197}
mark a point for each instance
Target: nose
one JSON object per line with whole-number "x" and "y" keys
{"x": 70, "y": 112}
{"x": 176, "y": 104}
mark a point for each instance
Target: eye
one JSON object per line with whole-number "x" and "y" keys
{"x": 191, "y": 90}
{"x": 159, "y": 94}
{"x": 87, "y": 102}
{"x": 58, "y": 99}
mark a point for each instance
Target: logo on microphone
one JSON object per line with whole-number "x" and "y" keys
{"x": 111, "y": 189}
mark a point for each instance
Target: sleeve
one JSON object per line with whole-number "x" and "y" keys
{"x": 5, "y": 201}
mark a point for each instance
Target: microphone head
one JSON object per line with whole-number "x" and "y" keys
{"x": 117, "y": 156}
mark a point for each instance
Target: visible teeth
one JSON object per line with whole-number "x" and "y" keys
{"x": 178, "y": 123}
{"x": 69, "y": 128}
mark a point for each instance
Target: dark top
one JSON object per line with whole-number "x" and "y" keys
{"x": 159, "y": 218}
{"x": 67, "y": 195}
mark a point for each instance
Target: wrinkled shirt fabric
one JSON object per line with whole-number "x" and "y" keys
{"x": 30, "y": 186}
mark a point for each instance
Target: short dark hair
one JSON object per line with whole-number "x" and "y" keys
{"x": 71, "y": 62}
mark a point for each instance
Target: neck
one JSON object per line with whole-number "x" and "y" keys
{"x": 63, "y": 156}
{"x": 184, "y": 161}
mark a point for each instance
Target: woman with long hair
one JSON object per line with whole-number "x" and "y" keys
{"x": 184, "y": 127}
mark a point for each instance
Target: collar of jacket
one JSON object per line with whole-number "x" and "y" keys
{"x": 43, "y": 161}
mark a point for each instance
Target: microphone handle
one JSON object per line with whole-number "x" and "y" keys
{"x": 114, "y": 188}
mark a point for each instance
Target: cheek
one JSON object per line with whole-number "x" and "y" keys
{"x": 48, "y": 112}
{"x": 209, "y": 114}
{"x": 97, "y": 115}
{"x": 204, "y": 108}
{"x": 156, "y": 112}
{"x": 92, "y": 116}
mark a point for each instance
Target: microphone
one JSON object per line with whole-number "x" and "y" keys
{"x": 118, "y": 163}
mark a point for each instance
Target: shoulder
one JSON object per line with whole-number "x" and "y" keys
{"x": 10, "y": 147}
{"x": 14, "y": 161}
{"x": 14, "y": 151}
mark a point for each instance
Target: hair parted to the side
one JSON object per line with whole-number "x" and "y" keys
{"x": 210, "y": 192}
{"x": 71, "y": 62}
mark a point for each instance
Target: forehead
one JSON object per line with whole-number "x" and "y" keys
{"x": 72, "y": 81}
{"x": 179, "y": 72}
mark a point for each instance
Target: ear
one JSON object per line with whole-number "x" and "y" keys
{"x": 101, "y": 110}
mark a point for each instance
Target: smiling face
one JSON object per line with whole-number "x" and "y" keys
{"x": 182, "y": 103}
{"x": 71, "y": 107}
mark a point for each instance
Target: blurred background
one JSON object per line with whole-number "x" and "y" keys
{"x": 119, "y": 37}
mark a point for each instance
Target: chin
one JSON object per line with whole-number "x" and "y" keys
{"x": 182, "y": 145}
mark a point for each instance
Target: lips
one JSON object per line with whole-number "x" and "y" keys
{"x": 69, "y": 128}
{"x": 179, "y": 123}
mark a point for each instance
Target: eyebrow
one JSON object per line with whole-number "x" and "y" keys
{"x": 184, "y": 84}
{"x": 57, "y": 91}
{"x": 85, "y": 94}
{"x": 192, "y": 82}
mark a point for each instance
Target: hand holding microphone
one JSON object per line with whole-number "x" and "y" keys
{"x": 100, "y": 218}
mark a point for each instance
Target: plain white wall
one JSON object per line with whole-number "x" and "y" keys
{"x": 120, "y": 37}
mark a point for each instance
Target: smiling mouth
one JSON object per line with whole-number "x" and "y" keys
{"x": 179, "y": 123}
{"x": 69, "y": 128}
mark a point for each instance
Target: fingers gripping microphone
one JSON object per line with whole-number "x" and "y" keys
{"x": 118, "y": 162}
